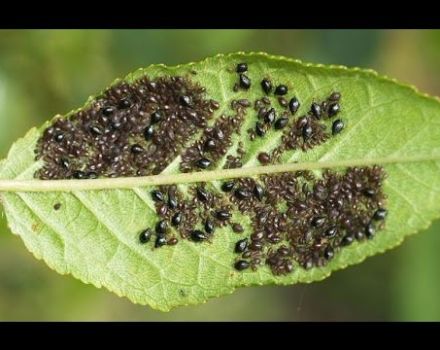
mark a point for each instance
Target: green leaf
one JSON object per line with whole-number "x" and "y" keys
{"x": 94, "y": 236}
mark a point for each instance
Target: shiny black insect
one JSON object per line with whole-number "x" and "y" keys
{"x": 281, "y": 90}
{"x": 198, "y": 236}
{"x": 241, "y": 245}
{"x": 223, "y": 215}
{"x": 307, "y": 131}
{"x": 156, "y": 117}
{"x": 315, "y": 109}
{"x": 157, "y": 196}
{"x": 259, "y": 129}
{"x": 281, "y": 123}
{"x": 78, "y": 174}
{"x": 370, "y": 230}
{"x": 149, "y": 132}
{"x": 145, "y": 236}
{"x": 333, "y": 109}
{"x": 294, "y": 105}
{"x": 258, "y": 192}
{"x": 241, "y": 265}
{"x": 337, "y": 126}
{"x": 136, "y": 149}
{"x": 176, "y": 220}
{"x": 242, "y": 193}
{"x": 228, "y": 186}
{"x": 209, "y": 226}
{"x": 245, "y": 82}
{"x": 185, "y": 101}
{"x": 203, "y": 163}
{"x": 270, "y": 116}
{"x": 241, "y": 68}
{"x": 172, "y": 200}
{"x": 124, "y": 103}
{"x": 209, "y": 145}
{"x": 161, "y": 227}
{"x": 380, "y": 214}
{"x": 202, "y": 195}
{"x": 160, "y": 241}
{"x": 107, "y": 111}
{"x": 318, "y": 221}
{"x": 266, "y": 85}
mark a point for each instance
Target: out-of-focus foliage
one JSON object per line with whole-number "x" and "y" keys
{"x": 47, "y": 72}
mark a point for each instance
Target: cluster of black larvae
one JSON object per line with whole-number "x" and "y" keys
{"x": 132, "y": 129}
{"x": 296, "y": 219}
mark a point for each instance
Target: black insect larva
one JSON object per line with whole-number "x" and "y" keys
{"x": 161, "y": 227}
{"x": 293, "y": 105}
{"x": 337, "y": 126}
{"x": 281, "y": 90}
{"x": 145, "y": 236}
{"x": 198, "y": 236}
{"x": 241, "y": 245}
{"x": 245, "y": 82}
{"x": 157, "y": 196}
{"x": 160, "y": 241}
{"x": 333, "y": 109}
{"x": 203, "y": 163}
{"x": 315, "y": 109}
{"x": 228, "y": 186}
{"x": 223, "y": 215}
{"x": 176, "y": 219}
{"x": 241, "y": 67}
{"x": 266, "y": 85}
{"x": 241, "y": 265}
{"x": 281, "y": 123}
{"x": 380, "y": 214}
{"x": 209, "y": 226}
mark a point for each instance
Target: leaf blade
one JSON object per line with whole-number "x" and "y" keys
{"x": 194, "y": 273}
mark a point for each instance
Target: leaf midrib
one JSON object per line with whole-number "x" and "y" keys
{"x": 204, "y": 176}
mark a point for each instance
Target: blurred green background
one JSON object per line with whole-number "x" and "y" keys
{"x": 47, "y": 72}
